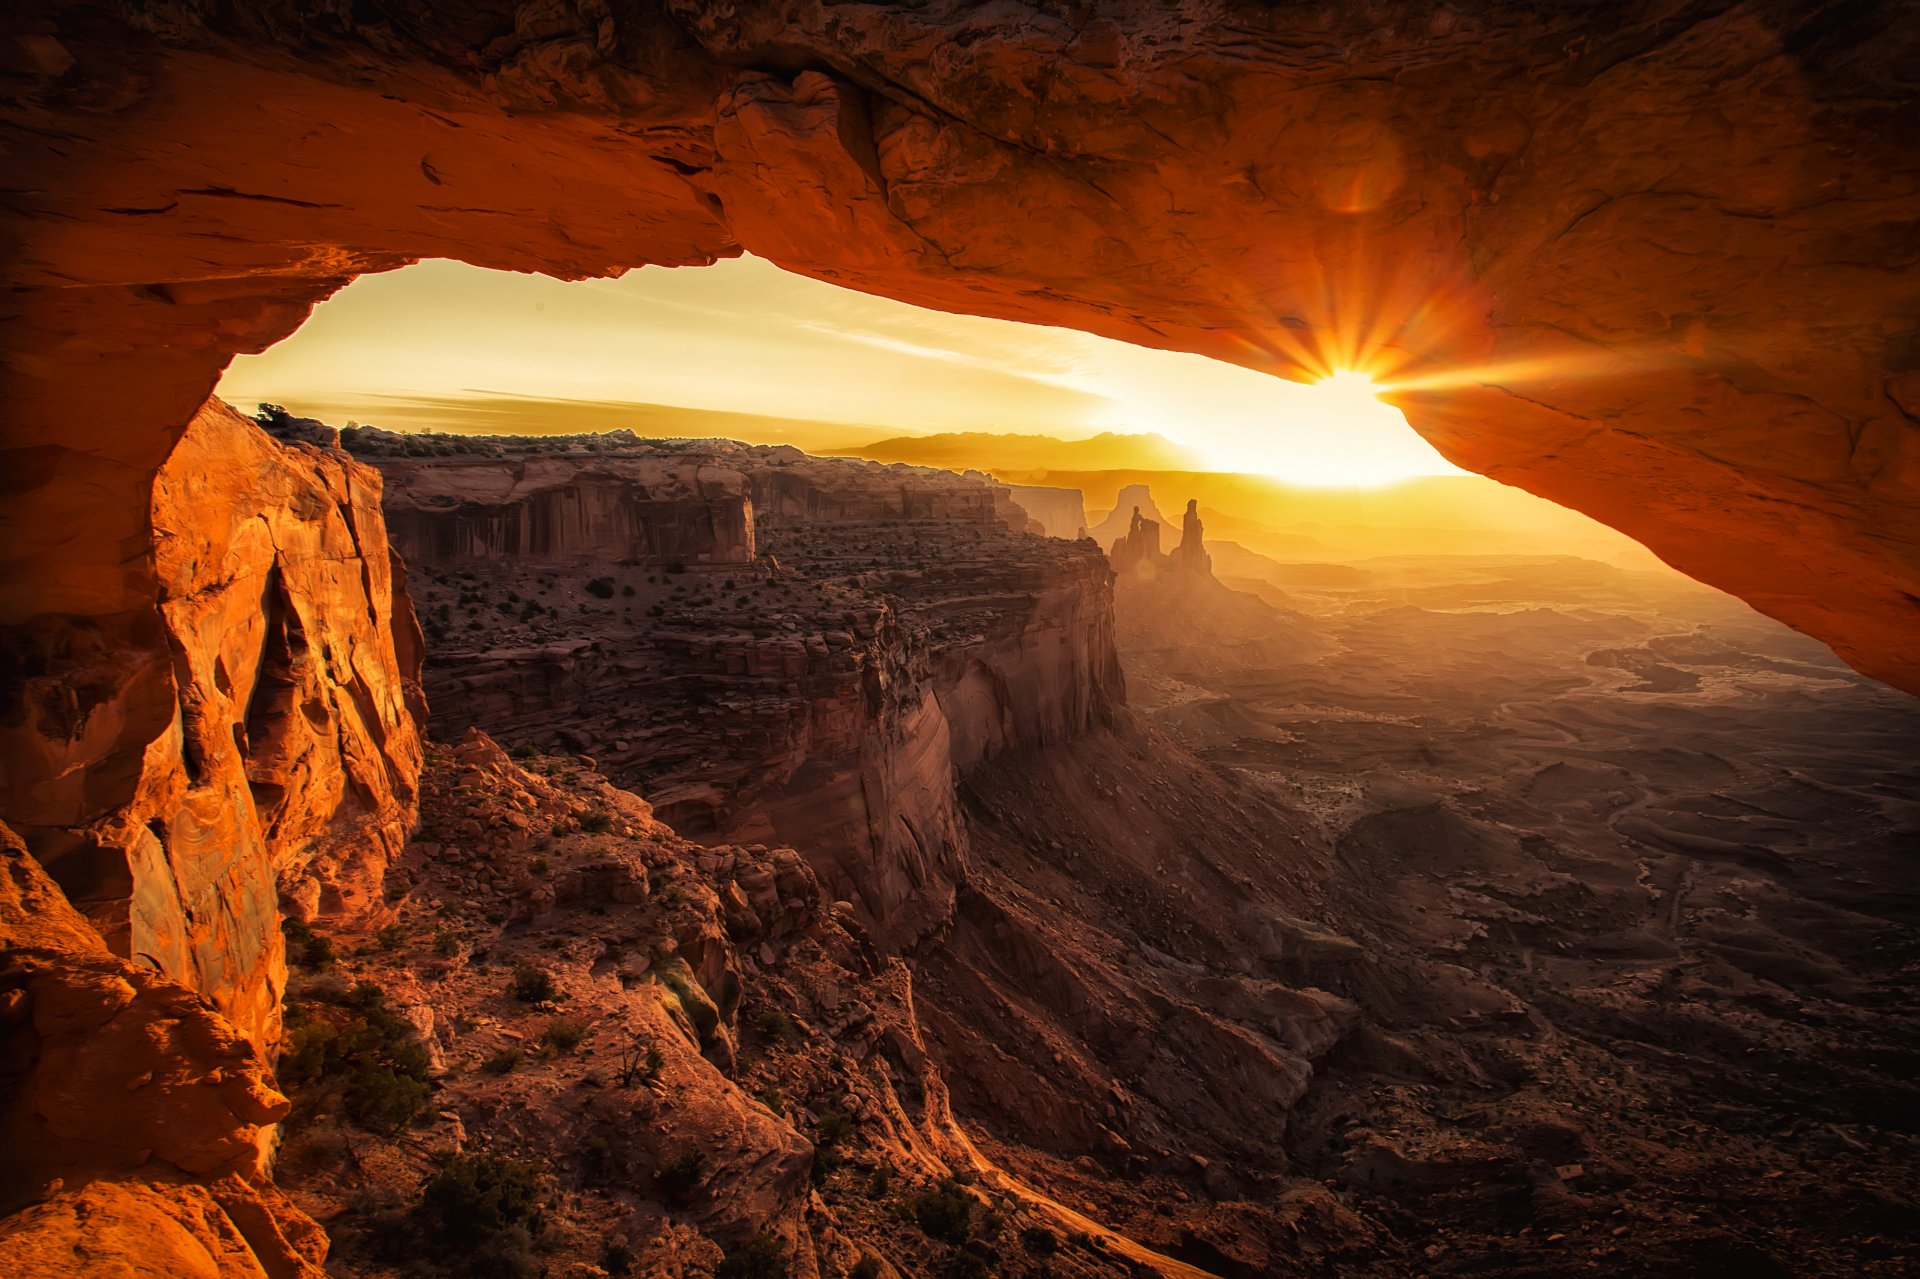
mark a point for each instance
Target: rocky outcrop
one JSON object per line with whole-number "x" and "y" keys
{"x": 1170, "y": 608}
{"x": 257, "y": 751}
{"x": 1060, "y": 512}
{"x": 136, "y": 1119}
{"x": 1190, "y": 557}
{"x": 1137, "y": 553}
{"x": 709, "y": 1060}
{"x": 1118, "y": 522}
{"x": 1448, "y": 199}
{"x": 895, "y": 628}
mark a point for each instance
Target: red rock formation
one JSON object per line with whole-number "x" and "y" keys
{"x": 1138, "y": 552}
{"x": 136, "y": 1120}
{"x": 1190, "y": 557}
{"x": 257, "y": 750}
{"x": 1649, "y": 262}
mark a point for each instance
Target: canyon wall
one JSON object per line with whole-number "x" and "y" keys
{"x": 901, "y": 623}
{"x": 1061, "y": 512}
{"x": 256, "y": 751}
{"x": 552, "y": 509}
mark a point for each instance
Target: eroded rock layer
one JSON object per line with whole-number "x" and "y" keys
{"x": 1654, "y": 261}
{"x": 256, "y": 748}
{"x": 896, "y": 628}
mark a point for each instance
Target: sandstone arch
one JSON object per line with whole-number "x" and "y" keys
{"x": 1675, "y": 242}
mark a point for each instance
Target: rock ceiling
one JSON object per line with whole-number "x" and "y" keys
{"x": 1654, "y": 261}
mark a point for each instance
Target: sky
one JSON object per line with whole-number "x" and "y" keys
{"x": 447, "y": 346}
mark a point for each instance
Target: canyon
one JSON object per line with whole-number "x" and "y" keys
{"x": 1140, "y": 979}
{"x": 1227, "y": 965}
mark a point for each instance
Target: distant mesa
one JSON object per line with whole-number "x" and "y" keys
{"x": 1118, "y": 522}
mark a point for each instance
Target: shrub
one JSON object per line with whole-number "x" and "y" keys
{"x": 882, "y": 1182}
{"x": 868, "y": 1267}
{"x": 945, "y": 1212}
{"x": 391, "y": 937}
{"x": 565, "y": 1036}
{"x": 640, "y": 1062}
{"x": 678, "y": 1180}
{"x": 483, "y": 1196}
{"x": 532, "y": 985}
{"x": 508, "y": 1255}
{"x": 502, "y": 1062}
{"x": 375, "y": 1054}
{"x": 1039, "y": 1241}
{"x": 771, "y": 1023}
{"x": 446, "y": 943}
{"x": 601, "y": 588}
{"x": 596, "y": 822}
{"x": 618, "y": 1259}
{"x": 835, "y": 1127}
{"x": 761, "y": 1257}
{"x": 523, "y": 750}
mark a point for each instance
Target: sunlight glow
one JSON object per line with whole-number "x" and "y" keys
{"x": 744, "y": 349}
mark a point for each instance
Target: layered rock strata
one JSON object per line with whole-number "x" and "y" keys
{"x": 1060, "y": 512}
{"x": 136, "y": 1119}
{"x": 256, "y": 749}
{"x": 894, "y": 627}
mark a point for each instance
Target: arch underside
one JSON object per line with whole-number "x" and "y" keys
{"x": 1656, "y": 263}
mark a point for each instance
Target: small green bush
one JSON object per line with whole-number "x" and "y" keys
{"x": 761, "y": 1257}
{"x": 596, "y": 822}
{"x": 1039, "y": 1241}
{"x": 502, "y": 1062}
{"x": 945, "y": 1212}
{"x": 601, "y": 588}
{"x": 375, "y": 1055}
{"x": 771, "y": 1023}
{"x": 532, "y": 985}
{"x": 481, "y": 1196}
{"x": 565, "y": 1036}
{"x": 679, "y": 1179}
{"x": 868, "y": 1267}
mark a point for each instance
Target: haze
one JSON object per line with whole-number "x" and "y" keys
{"x": 446, "y": 346}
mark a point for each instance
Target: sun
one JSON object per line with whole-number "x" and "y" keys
{"x": 1348, "y": 389}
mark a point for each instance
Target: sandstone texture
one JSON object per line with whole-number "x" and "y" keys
{"x": 1652, "y": 261}
{"x": 136, "y": 1119}
{"x": 256, "y": 750}
{"x": 712, "y": 1058}
{"x": 893, "y": 627}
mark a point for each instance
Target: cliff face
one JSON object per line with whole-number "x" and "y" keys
{"x": 1060, "y": 512}
{"x": 541, "y": 509}
{"x": 260, "y": 752}
{"x": 896, "y": 628}
{"x": 136, "y": 1119}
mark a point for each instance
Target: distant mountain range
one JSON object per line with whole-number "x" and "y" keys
{"x": 1027, "y": 458}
